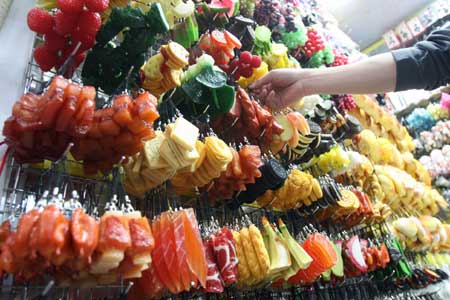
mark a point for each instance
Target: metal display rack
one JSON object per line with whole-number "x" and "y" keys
{"x": 23, "y": 185}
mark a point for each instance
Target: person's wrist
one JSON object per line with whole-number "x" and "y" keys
{"x": 306, "y": 81}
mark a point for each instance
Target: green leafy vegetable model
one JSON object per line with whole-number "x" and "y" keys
{"x": 109, "y": 62}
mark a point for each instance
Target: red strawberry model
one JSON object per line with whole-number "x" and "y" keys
{"x": 73, "y": 22}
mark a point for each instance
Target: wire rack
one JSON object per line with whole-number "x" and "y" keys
{"x": 22, "y": 186}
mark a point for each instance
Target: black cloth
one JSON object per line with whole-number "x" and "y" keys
{"x": 427, "y": 64}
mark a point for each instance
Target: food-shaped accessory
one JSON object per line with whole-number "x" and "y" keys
{"x": 213, "y": 280}
{"x": 108, "y": 66}
{"x": 51, "y": 232}
{"x": 298, "y": 254}
{"x": 280, "y": 258}
{"x": 354, "y": 253}
{"x": 138, "y": 255}
{"x": 260, "y": 250}
{"x": 251, "y": 255}
{"x": 85, "y": 234}
{"x": 338, "y": 269}
{"x": 114, "y": 239}
{"x": 244, "y": 275}
{"x": 158, "y": 259}
{"x": 225, "y": 253}
{"x": 36, "y": 130}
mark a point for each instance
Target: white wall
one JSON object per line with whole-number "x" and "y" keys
{"x": 15, "y": 50}
{"x": 367, "y": 20}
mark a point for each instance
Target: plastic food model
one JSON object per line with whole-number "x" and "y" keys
{"x": 401, "y": 190}
{"x": 299, "y": 189}
{"x": 193, "y": 62}
{"x": 214, "y": 158}
{"x": 373, "y": 117}
{"x": 422, "y": 233}
{"x": 117, "y": 131}
{"x": 225, "y": 253}
{"x": 42, "y": 126}
{"x": 114, "y": 239}
{"x": 69, "y": 23}
{"x": 162, "y": 71}
{"x": 172, "y": 10}
{"x": 169, "y": 152}
{"x": 243, "y": 67}
{"x": 46, "y": 239}
{"x": 190, "y": 260}
{"x": 220, "y": 45}
{"x": 213, "y": 283}
{"x": 353, "y": 252}
{"x": 323, "y": 256}
{"x": 138, "y": 255}
{"x": 280, "y": 258}
{"x": 381, "y": 151}
{"x": 247, "y": 119}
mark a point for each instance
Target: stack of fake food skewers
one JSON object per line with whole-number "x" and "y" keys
{"x": 168, "y": 254}
{"x": 42, "y": 126}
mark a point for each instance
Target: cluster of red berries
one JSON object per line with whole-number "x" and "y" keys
{"x": 345, "y": 102}
{"x": 74, "y": 22}
{"x": 242, "y": 66}
{"x": 340, "y": 59}
{"x": 314, "y": 44}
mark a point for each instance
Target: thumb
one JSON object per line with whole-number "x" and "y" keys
{"x": 266, "y": 79}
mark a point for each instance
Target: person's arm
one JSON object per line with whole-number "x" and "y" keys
{"x": 373, "y": 75}
{"x": 424, "y": 66}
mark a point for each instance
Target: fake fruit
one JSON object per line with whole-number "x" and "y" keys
{"x": 41, "y": 126}
{"x": 280, "y": 258}
{"x": 220, "y": 45}
{"x": 244, "y": 66}
{"x": 117, "y": 131}
{"x": 162, "y": 72}
{"x": 247, "y": 119}
{"x": 243, "y": 169}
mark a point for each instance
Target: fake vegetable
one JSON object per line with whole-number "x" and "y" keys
{"x": 280, "y": 258}
{"x": 205, "y": 93}
{"x": 108, "y": 64}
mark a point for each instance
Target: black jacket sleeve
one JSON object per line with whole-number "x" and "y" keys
{"x": 426, "y": 65}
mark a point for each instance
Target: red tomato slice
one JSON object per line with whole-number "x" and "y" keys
{"x": 228, "y": 52}
{"x": 218, "y": 38}
{"x": 232, "y": 40}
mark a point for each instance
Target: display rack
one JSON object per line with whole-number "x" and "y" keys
{"x": 24, "y": 186}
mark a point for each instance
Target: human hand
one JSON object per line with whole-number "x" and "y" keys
{"x": 280, "y": 88}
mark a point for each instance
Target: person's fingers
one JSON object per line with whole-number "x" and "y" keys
{"x": 273, "y": 100}
{"x": 266, "y": 79}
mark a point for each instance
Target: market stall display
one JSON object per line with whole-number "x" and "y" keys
{"x": 151, "y": 101}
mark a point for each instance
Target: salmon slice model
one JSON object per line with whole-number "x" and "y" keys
{"x": 158, "y": 259}
{"x": 180, "y": 242}
{"x": 169, "y": 250}
{"x": 196, "y": 257}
